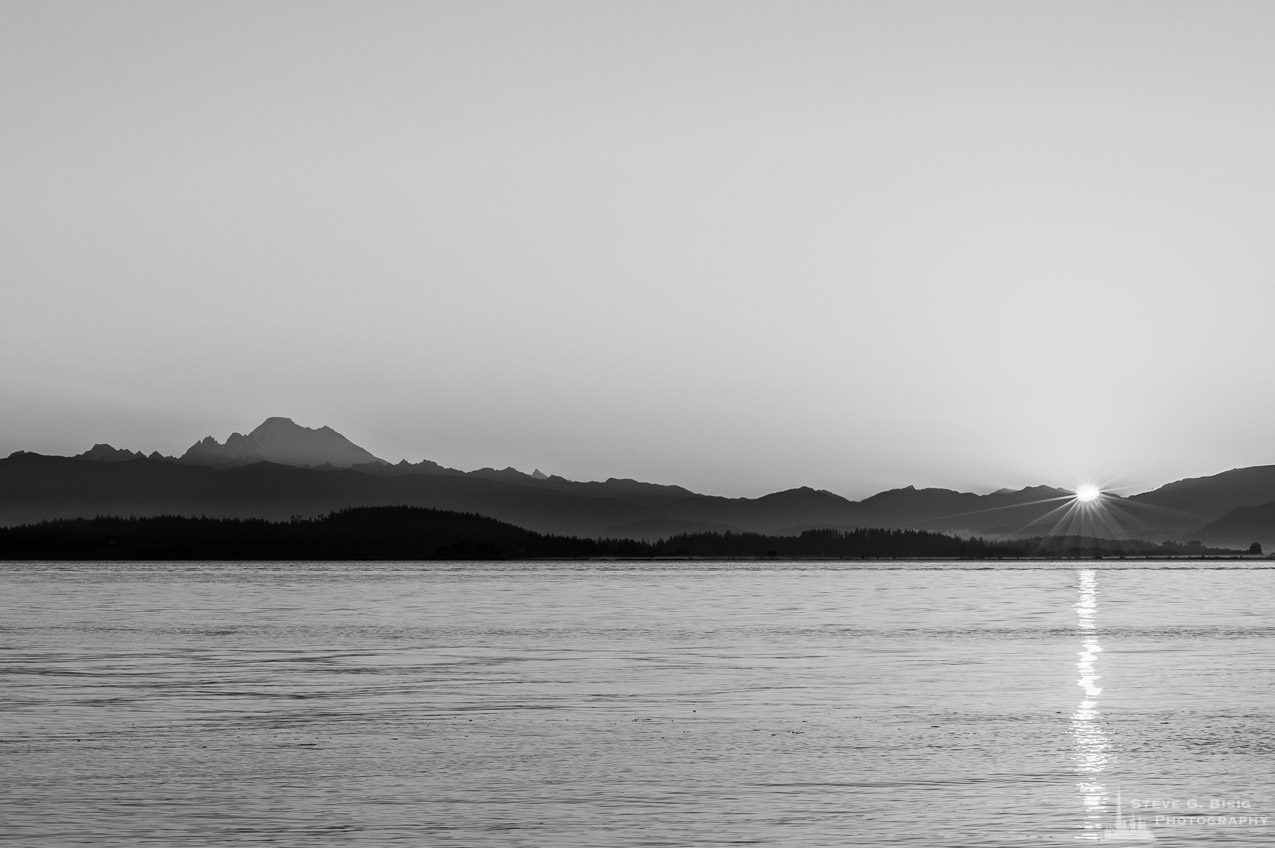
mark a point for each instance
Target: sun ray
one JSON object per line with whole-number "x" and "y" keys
{"x": 1093, "y": 511}
{"x": 989, "y": 509}
{"x": 1068, "y": 516}
{"x": 1125, "y": 519}
{"x": 1164, "y": 510}
{"x": 1048, "y": 516}
{"x": 1104, "y": 522}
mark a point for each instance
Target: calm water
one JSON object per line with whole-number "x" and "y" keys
{"x": 635, "y": 704}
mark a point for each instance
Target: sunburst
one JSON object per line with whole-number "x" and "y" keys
{"x": 1088, "y": 493}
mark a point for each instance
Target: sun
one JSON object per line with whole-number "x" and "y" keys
{"x": 1087, "y": 492}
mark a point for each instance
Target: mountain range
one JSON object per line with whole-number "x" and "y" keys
{"x": 281, "y": 470}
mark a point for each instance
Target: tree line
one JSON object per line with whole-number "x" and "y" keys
{"x": 415, "y": 533}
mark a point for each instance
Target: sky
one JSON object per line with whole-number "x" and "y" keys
{"x": 739, "y": 246}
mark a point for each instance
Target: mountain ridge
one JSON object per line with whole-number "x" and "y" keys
{"x": 281, "y": 469}
{"x": 283, "y": 441}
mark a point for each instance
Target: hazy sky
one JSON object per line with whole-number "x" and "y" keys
{"x": 735, "y": 245}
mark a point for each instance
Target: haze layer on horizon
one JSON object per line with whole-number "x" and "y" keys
{"x": 737, "y": 246}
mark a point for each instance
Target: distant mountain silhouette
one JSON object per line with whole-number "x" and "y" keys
{"x": 281, "y": 470}
{"x": 106, "y": 453}
{"x": 282, "y": 441}
{"x": 34, "y": 487}
{"x": 403, "y": 467}
{"x": 1241, "y": 527}
{"x": 1005, "y": 512}
{"x": 1196, "y": 501}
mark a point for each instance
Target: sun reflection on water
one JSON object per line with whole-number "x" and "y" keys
{"x": 1091, "y": 748}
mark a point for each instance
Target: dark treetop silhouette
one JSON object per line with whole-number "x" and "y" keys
{"x": 410, "y": 533}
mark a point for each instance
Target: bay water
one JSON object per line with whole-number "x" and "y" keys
{"x": 636, "y": 704}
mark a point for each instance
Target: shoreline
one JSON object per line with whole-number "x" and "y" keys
{"x": 669, "y": 559}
